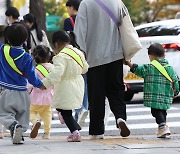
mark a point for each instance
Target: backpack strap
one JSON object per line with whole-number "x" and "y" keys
{"x": 11, "y": 61}
{"x": 72, "y": 21}
{"x": 42, "y": 70}
{"x": 161, "y": 69}
{"x": 33, "y": 39}
{"x": 74, "y": 55}
{"x": 109, "y": 12}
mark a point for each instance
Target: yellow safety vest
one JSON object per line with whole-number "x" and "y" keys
{"x": 10, "y": 60}
{"x": 161, "y": 69}
{"x": 42, "y": 70}
{"x": 73, "y": 54}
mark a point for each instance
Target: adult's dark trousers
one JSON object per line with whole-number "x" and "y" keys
{"x": 105, "y": 81}
{"x": 69, "y": 120}
{"x": 159, "y": 115}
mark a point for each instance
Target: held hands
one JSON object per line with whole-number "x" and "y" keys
{"x": 42, "y": 87}
{"x": 128, "y": 63}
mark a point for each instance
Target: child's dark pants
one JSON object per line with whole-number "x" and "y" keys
{"x": 160, "y": 115}
{"x": 69, "y": 120}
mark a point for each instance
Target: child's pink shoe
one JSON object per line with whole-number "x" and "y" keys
{"x": 74, "y": 137}
{"x": 60, "y": 117}
{"x": 1, "y": 135}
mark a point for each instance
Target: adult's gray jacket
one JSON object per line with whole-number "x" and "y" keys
{"x": 96, "y": 32}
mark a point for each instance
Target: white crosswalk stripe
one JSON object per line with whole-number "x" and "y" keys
{"x": 139, "y": 117}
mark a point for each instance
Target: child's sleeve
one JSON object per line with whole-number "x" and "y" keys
{"x": 125, "y": 70}
{"x": 175, "y": 83}
{"x": 176, "y": 88}
{"x": 56, "y": 72}
{"x": 139, "y": 70}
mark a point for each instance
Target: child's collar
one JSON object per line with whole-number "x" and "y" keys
{"x": 68, "y": 46}
{"x": 159, "y": 58}
{"x": 17, "y": 47}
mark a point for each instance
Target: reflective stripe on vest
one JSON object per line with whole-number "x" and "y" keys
{"x": 74, "y": 55}
{"x": 42, "y": 70}
{"x": 161, "y": 69}
{"x": 10, "y": 60}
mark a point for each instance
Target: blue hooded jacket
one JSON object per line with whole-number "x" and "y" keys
{"x": 9, "y": 78}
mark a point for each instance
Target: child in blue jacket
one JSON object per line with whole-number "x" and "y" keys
{"x": 16, "y": 67}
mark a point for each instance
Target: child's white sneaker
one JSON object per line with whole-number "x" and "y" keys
{"x": 164, "y": 133}
{"x": 16, "y": 133}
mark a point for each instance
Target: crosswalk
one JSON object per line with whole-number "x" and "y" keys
{"x": 139, "y": 118}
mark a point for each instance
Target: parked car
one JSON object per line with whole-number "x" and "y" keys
{"x": 165, "y": 32}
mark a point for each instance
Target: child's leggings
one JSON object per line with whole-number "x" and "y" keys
{"x": 44, "y": 112}
{"x": 69, "y": 120}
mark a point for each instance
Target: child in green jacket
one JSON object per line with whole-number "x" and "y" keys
{"x": 160, "y": 86}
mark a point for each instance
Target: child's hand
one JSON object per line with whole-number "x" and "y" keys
{"x": 42, "y": 87}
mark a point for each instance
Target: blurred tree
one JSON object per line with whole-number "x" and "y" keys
{"x": 54, "y": 7}
{"x": 163, "y": 9}
{"x": 8, "y": 3}
{"x": 137, "y": 10}
{"x": 51, "y": 6}
{"x": 37, "y": 9}
{"x": 18, "y": 3}
{"x": 142, "y": 11}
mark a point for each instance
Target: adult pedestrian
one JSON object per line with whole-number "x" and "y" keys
{"x": 38, "y": 36}
{"x": 72, "y": 8}
{"x": 12, "y": 17}
{"x": 99, "y": 37}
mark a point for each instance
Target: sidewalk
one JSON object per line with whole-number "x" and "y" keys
{"x": 110, "y": 145}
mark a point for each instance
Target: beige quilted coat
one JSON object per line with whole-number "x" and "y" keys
{"x": 66, "y": 76}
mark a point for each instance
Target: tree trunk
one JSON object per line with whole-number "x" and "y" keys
{"x": 37, "y": 9}
{"x": 8, "y": 3}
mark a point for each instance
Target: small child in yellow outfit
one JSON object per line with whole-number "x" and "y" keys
{"x": 41, "y": 100}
